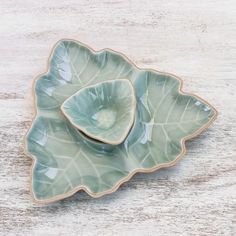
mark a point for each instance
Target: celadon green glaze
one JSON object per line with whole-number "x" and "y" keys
{"x": 104, "y": 111}
{"x": 65, "y": 160}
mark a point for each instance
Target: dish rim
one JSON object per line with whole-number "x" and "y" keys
{"x": 135, "y": 171}
{"x": 97, "y": 137}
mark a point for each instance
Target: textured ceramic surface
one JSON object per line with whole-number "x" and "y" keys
{"x": 104, "y": 111}
{"x": 66, "y": 161}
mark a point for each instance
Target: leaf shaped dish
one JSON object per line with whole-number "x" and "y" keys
{"x": 104, "y": 111}
{"x": 66, "y": 161}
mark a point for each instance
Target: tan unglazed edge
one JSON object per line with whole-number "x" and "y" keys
{"x": 97, "y": 137}
{"x": 138, "y": 170}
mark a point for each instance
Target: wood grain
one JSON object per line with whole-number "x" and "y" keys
{"x": 195, "y": 40}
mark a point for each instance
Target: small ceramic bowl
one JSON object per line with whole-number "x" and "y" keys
{"x": 104, "y": 111}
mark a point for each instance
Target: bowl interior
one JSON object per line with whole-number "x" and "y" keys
{"x": 104, "y": 111}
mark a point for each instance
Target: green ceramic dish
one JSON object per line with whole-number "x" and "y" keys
{"x": 66, "y": 161}
{"x": 104, "y": 111}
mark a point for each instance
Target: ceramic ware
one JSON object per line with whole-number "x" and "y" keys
{"x": 66, "y": 160}
{"x": 104, "y": 111}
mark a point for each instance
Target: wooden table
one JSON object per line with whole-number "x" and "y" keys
{"x": 195, "y": 40}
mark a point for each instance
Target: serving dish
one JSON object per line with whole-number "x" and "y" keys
{"x": 104, "y": 111}
{"x": 66, "y": 160}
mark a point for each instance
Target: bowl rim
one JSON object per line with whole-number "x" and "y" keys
{"x": 98, "y": 137}
{"x": 135, "y": 171}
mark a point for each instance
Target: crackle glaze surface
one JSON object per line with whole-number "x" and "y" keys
{"x": 104, "y": 111}
{"x": 66, "y": 162}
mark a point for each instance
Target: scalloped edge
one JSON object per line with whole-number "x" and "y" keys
{"x": 138, "y": 170}
{"x": 97, "y": 137}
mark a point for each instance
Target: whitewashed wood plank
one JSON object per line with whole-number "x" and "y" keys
{"x": 193, "y": 39}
